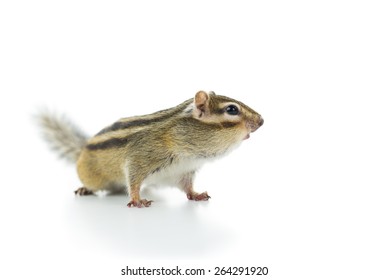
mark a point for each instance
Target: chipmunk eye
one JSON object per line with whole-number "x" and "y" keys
{"x": 232, "y": 110}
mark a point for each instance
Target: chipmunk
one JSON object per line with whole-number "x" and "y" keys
{"x": 166, "y": 147}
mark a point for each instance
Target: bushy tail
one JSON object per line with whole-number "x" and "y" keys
{"x": 63, "y": 136}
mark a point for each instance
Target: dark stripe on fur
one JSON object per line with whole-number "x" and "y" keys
{"x": 123, "y": 125}
{"x": 229, "y": 124}
{"x": 111, "y": 143}
{"x": 166, "y": 114}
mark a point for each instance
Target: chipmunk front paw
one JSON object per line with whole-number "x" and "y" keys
{"x": 198, "y": 196}
{"x": 140, "y": 203}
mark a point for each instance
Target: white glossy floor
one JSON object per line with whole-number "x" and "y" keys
{"x": 291, "y": 221}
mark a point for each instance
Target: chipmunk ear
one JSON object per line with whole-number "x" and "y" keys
{"x": 201, "y": 101}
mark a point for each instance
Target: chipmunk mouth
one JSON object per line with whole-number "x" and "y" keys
{"x": 247, "y": 136}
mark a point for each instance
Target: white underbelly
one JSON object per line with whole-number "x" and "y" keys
{"x": 172, "y": 175}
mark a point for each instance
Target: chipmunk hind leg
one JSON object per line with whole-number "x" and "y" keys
{"x": 112, "y": 188}
{"x": 186, "y": 183}
{"x": 91, "y": 186}
{"x": 83, "y": 191}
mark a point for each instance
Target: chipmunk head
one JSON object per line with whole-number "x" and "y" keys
{"x": 217, "y": 109}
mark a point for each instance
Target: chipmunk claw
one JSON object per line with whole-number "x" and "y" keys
{"x": 141, "y": 203}
{"x": 198, "y": 196}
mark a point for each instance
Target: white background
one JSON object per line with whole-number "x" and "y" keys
{"x": 306, "y": 195}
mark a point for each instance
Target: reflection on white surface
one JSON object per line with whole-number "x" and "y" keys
{"x": 164, "y": 230}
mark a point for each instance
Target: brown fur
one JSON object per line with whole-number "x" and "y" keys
{"x": 135, "y": 149}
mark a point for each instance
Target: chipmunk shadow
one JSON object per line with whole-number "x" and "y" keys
{"x": 162, "y": 231}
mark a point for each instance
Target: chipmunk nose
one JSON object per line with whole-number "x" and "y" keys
{"x": 261, "y": 121}
{"x": 257, "y": 123}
